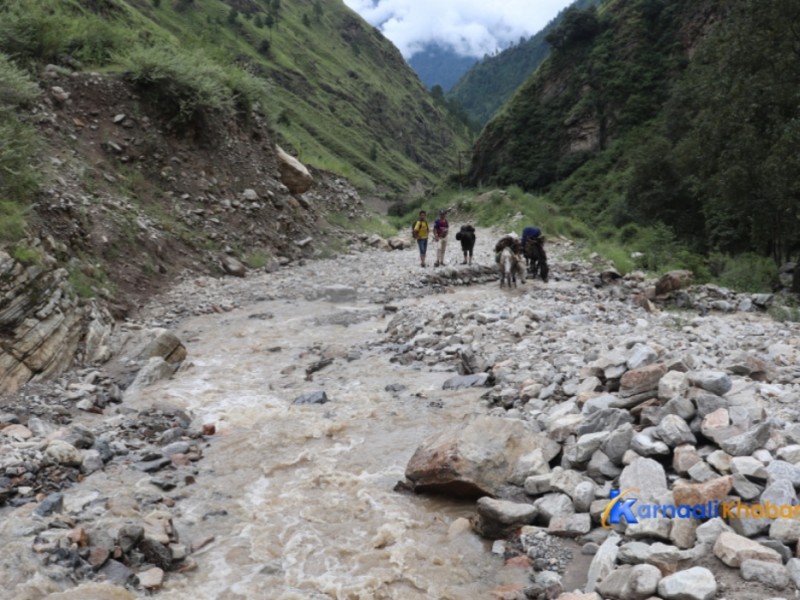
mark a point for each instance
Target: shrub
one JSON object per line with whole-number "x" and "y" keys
{"x": 628, "y": 233}
{"x": 31, "y": 32}
{"x": 16, "y": 88}
{"x": 18, "y": 180}
{"x": 26, "y": 255}
{"x": 785, "y": 314}
{"x": 749, "y": 273}
{"x": 617, "y": 255}
{"x": 12, "y": 221}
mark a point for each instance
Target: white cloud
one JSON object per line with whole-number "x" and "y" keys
{"x": 470, "y": 27}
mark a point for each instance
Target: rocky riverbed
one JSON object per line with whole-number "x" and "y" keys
{"x": 257, "y": 437}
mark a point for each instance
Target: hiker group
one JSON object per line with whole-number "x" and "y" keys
{"x": 530, "y": 247}
{"x": 441, "y": 229}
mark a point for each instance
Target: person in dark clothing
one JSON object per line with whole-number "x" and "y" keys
{"x": 466, "y": 236}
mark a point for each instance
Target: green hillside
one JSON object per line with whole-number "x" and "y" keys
{"x": 335, "y": 91}
{"x": 491, "y": 82}
{"x": 681, "y": 115}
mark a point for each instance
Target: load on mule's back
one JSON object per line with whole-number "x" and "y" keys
{"x": 508, "y": 256}
{"x": 533, "y": 250}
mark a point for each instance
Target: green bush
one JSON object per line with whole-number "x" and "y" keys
{"x": 26, "y": 255}
{"x": 618, "y": 256}
{"x": 16, "y": 88}
{"x": 12, "y": 221}
{"x": 785, "y": 314}
{"x": 31, "y": 32}
{"x": 749, "y": 273}
{"x": 18, "y": 180}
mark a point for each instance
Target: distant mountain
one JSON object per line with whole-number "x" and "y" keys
{"x": 484, "y": 88}
{"x": 439, "y": 65}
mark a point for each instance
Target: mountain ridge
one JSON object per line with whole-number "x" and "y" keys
{"x": 485, "y": 87}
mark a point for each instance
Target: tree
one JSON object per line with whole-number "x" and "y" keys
{"x": 745, "y": 124}
{"x": 306, "y": 20}
{"x": 233, "y": 15}
{"x": 258, "y": 22}
{"x": 576, "y": 26}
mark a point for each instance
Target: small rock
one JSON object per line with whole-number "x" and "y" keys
{"x": 319, "y": 397}
{"x": 151, "y": 579}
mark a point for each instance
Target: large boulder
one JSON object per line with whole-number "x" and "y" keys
{"x": 478, "y": 458}
{"x": 673, "y": 281}
{"x": 294, "y": 174}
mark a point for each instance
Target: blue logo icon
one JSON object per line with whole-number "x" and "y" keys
{"x": 617, "y": 508}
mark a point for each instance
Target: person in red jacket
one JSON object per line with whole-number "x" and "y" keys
{"x": 440, "y": 229}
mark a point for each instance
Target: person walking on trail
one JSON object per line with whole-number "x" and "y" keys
{"x": 466, "y": 236}
{"x": 420, "y": 231}
{"x": 440, "y": 229}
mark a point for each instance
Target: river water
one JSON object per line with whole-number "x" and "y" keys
{"x": 300, "y": 498}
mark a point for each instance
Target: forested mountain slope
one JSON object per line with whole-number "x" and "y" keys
{"x": 683, "y": 113}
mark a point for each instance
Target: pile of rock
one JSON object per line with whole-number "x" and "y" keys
{"x": 132, "y": 553}
{"x": 675, "y": 289}
{"x": 707, "y": 414}
{"x": 93, "y": 536}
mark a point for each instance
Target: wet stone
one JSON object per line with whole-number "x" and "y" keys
{"x": 156, "y": 553}
{"x": 129, "y": 536}
{"x": 53, "y": 503}
{"x": 313, "y": 398}
{"x": 150, "y": 466}
{"x": 466, "y": 381}
{"x": 117, "y": 573}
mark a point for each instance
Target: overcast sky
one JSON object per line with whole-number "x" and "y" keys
{"x": 470, "y": 27}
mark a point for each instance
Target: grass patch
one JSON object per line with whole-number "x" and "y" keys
{"x": 87, "y": 280}
{"x": 745, "y": 272}
{"x": 785, "y": 314}
{"x": 333, "y": 247}
{"x": 18, "y": 144}
{"x": 256, "y": 260}
{"x": 617, "y": 255}
{"x": 12, "y": 221}
{"x": 26, "y": 255}
{"x": 83, "y": 285}
{"x": 188, "y": 87}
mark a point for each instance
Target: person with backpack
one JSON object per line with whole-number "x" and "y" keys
{"x": 440, "y": 230}
{"x": 466, "y": 236}
{"x": 420, "y": 233}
